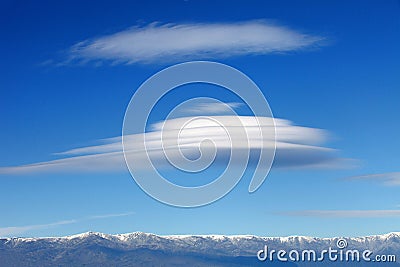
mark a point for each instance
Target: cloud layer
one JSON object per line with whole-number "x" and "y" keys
{"x": 389, "y": 179}
{"x": 344, "y": 213}
{"x": 296, "y": 146}
{"x": 174, "y": 42}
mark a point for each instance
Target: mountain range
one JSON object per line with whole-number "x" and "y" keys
{"x": 144, "y": 249}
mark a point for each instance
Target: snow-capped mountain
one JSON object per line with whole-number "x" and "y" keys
{"x": 143, "y": 249}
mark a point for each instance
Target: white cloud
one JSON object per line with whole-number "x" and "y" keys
{"x": 344, "y": 213}
{"x": 297, "y": 147}
{"x": 174, "y": 42}
{"x": 204, "y": 106}
{"x": 16, "y": 230}
{"x": 105, "y": 216}
{"x": 389, "y": 179}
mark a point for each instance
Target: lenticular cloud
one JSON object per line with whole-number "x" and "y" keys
{"x": 172, "y": 42}
{"x": 296, "y": 146}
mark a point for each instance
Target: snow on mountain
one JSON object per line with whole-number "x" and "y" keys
{"x": 221, "y": 244}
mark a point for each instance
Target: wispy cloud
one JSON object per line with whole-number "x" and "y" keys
{"x": 344, "y": 213}
{"x": 204, "y": 106}
{"x": 105, "y": 216}
{"x": 389, "y": 179}
{"x": 297, "y": 146}
{"x": 16, "y": 230}
{"x": 174, "y": 42}
{"x": 207, "y": 108}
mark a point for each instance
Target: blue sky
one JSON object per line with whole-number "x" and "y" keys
{"x": 342, "y": 78}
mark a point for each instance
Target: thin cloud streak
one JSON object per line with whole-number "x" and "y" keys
{"x": 388, "y": 179}
{"x": 174, "y": 42}
{"x": 110, "y": 215}
{"x": 212, "y": 108}
{"x": 15, "y": 230}
{"x": 343, "y": 213}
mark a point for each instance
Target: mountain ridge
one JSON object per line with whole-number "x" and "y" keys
{"x": 146, "y": 249}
